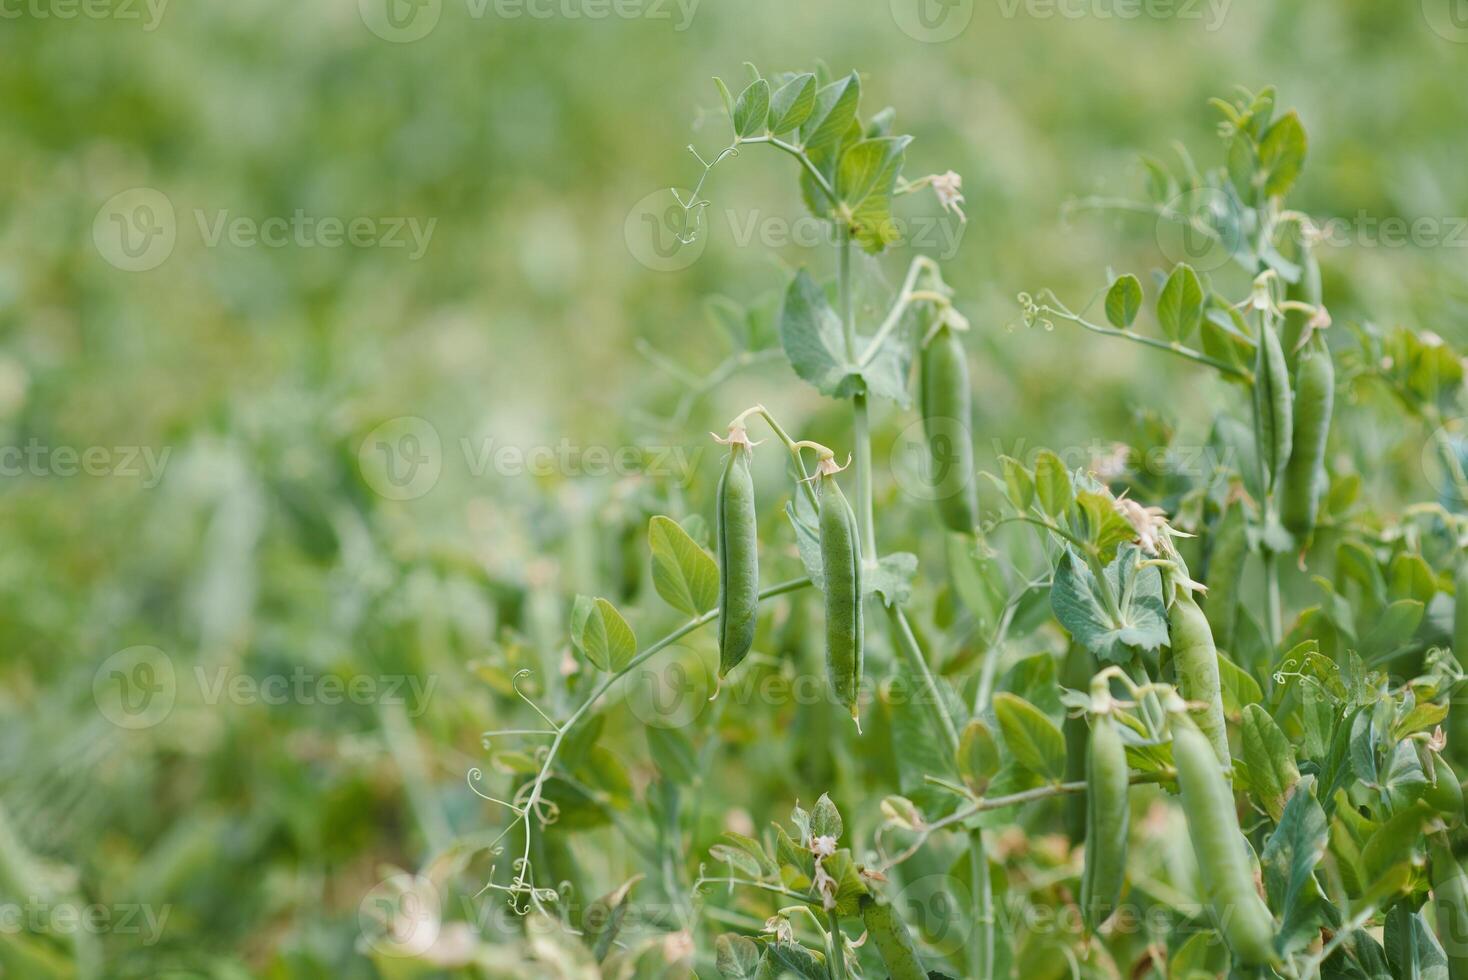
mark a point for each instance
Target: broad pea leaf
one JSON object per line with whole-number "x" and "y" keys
{"x": 825, "y": 819}
{"x": 864, "y": 182}
{"x": 1052, "y": 484}
{"x": 752, "y": 109}
{"x": 1289, "y": 860}
{"x": 686, "y": 576}
{"x": 1019, "y": 483}
{"x": 600, "y": 632}
{"x": 1180, "y": 304}
{"x": 1078, "y": 605}
{"x": 1282, "y": 154}
{"x": 1035, "y": 741}
{"x": 1414, "y": 952}
{"x": 1123, "y": 301}
{"x": 737, "y": 957}
{"x": 834, "y": 112}
{"x": 1270, "y": 759}
{"x": 978, "y": 755}
{"x": 792, "y": 103}
{"x": 811, "y": 334}
{"x": 892, "y": 578}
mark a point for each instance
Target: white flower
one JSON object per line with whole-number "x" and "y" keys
{"x": 823, "y": 846}
{"x": 1146, "y": 521}
{"x": 949, "y": 189}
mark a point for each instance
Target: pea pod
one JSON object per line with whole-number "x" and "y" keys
{"x": 1107, "y": 816}
{"x": 1304, "y": 475}
{"x": 947, "y": 413}
{"x": 1444, "y": 793}
{"x": 1304, "y": 290}
{"x": 841, "y": 562}
{"x": 1450, "y": 899}
{"x": 738, "y": 559}
{"x": 1079, "y": 667}
{"x": 1195, "y": 661}
{"x": 1229, "y": 550}
{"x": 1273, "y": 405}
{"x": 892, "y": 939}
{"x": 1458, "y": 720}
{"x": 1224, "y": 868}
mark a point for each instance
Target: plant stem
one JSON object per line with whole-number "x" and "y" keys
{"x": 835, "y": 947}
{"x": 1180, "y": 350}
{"x": 912, "y": 654}
{"x": 1272, "y": 603}
{"x": 905, "y": 297}
{"x": 981, "y": 943}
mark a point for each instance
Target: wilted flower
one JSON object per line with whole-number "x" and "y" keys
{"x": 823, "y": 846}
{"x": 949, "y": 189}
{"x": 1146, "y": 521}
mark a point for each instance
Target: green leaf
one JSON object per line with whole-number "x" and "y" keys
{"x": 807, "y": 538}
{"x": 603, "y": 918}
{"x": 1203, "y": 955}
{"x": 1052, "y": 484}
{"x": 793, "y": 959}
{"x": 1240, "y": 689}
{"x": 1104, "y": 527}
{"x": 686, "y": 576}
{"x": 978, "y": 755}
{"x": 1035, "y": 741}
{"x": 792, "y": 103}
{"x": 1141, "y": 618}
{"x": 1123, "y": 301}
{"x": 1180, "y": 304}
{"x": 737, "y": 858}
{"x": 978, "y": 579}
{"x": 725, "y": 96}
{"x": 864, "y": 182}
{"x": 1393, "y": 628}
{"x": 1282, "y": 154}
{"x": 602, "y": 635}
{"x": 825, "y": 819}
{"x": 1395, "y": 842}
{"x": 1019, "y": 483}
{"x": 892, "y": 578}
{"x": 834, "y": 112}
{"x": 1288, "y": 864}
{"x": 755, "y": 850}
{"x": 1270, "y": 759}
{"x": 752, "y": 109}
{"x": 810, "y": 332}
{"x": 736, "y": 957}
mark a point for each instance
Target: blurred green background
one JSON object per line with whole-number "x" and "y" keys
{"x": 193, "y": 494}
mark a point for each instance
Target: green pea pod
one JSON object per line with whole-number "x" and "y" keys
{"x": 1458, "y": 720}
{"x": 1305, "y": 290}
{"x": 1229, "y": 550}
{"x": 738, "y": 560}
{"x": 1076, "y": 674}
{"x": 1274, "y": 405}
{"x": 1224, "y": 868}
{"x": 1444, "y": 794}
{"x": 1304, "y": 476}
{"x": 1450, "y": 898}
{"x": 841, "y": 562}
{"x": 947, "y": 413}
{"x": 1195, "y": 660}
{"x": 892, "y": 939}
{"x": 1107, "y": 815}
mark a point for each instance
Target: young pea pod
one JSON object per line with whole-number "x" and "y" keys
{"x": 1078, "y": 669}
{"x": 841, "y": 562}
{"x": 947, "y": 413}
{"x": 1304, "y": 290}
{"x": 1274, "y": 406}
{"x": 1444, "y": 793}
{"x": 892, "y": 939}
{"x": 1107, "y": 816}
{"x": 1304, "y": 475}
{"x": 1450, "y": 898}
{"x": 1229, "y": 549}
{"x": 1458, "y": 720}
{"x": 738, "y": 558}
{"x": 1224, "y": 868}
{"x": 1195, "y": 661}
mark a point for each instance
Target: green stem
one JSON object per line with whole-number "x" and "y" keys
{"x": 1180, "y": 350}
{"x": 981, "y": 943}
{"x": 912, "y": 655}
{"x": 835, "y": 947}
{"x": 1272, "y": 603}
{"x": 905, "y": 298}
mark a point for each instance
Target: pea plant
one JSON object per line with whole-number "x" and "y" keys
{"x": 1120, "y": 726}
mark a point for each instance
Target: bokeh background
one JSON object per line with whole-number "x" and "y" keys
{"x": 207, "y": 535}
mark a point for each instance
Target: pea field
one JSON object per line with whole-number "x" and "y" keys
{"x": 649, "y": 489}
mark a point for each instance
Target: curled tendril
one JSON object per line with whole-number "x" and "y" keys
{"x": 476, "y": 775}
{"x": 515, "y": 684}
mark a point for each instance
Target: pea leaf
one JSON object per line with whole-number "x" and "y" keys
{"x": 686, "y": 576}
{"x": 752, "y": 109}
{"x": 834, "y": 112}
{"x": 604, "y": 917}
{"x": 1123, "y": 301}
{"x": 978, "y": 755}
{"x": 1288, "y": 863}
{"x": 1240, "y": 689}
{"x": 792, "y": 103}
{"x": 1140, "y": 622}
{"x": 1282, "y": 154}
{"x": 1035, "y": 741}
{"x": 825, "y": 819}
{"x": 864, "y": 182}
{"x": 892, "y": 578}
{"x": 1019, "y": 483}
{"x": 1270, "y": 759}
{"x": 601, "y": 634}
{"x": 1180, "y": 304}
{"x": 810, "y": 332}
{"x": 1052, "y": 484}
{"x": 1394, "y": 842}
{"x": 736, "y": 957}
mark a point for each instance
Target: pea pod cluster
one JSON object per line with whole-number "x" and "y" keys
{"x": 1107, "y": 819}
{"x": 947, "y": 407}
{"x": 1222, "y": 852}
{"x": 841, "y": 564}
{"x": 1195, "y": 661}
{"x": 1304, "y": 476}
{"x": 738, "y": 543}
